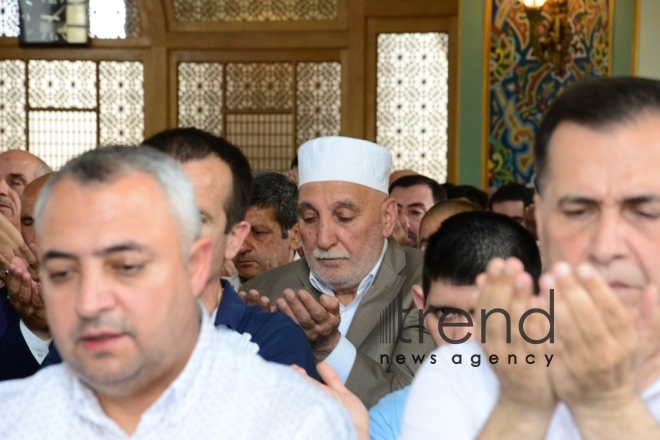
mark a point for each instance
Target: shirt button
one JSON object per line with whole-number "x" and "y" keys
{"x": 40, "y": 354}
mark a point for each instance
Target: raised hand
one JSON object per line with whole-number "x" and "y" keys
{"x": 252, "y": 298}
{"x": 319, "y": 320}
{"x": 526, "y": 389}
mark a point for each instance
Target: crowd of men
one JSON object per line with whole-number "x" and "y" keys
{"x": 166, "y": 291}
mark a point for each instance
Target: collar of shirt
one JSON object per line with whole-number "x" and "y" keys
{"x": 364, "y": 285}
{"x": 171, "y": 407}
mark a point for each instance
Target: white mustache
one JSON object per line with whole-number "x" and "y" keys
{"x": 330, "y": 255}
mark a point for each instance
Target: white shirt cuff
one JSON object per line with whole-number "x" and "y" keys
{"x": 342, "y": 358}
{"x": 38, "y": 347}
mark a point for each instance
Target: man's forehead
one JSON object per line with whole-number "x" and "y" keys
{"x": 20, "y": 163}
{"x": 265, "y": 213}
{"x": 619, "y": 158}
{"x": 324, "y": 194}
{"x": 413, "y": 194}
{"x": 91, "y": 216}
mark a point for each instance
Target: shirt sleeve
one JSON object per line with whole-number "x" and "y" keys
{"x": 38, "y": 347}
{"x": 385, "y": 418}
{"x": 342, "y": 358}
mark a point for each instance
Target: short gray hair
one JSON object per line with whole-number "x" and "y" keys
{"x": 107, "y": 164}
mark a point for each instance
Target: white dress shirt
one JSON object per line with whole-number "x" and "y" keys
{"x": 38, "y": 347}
{"x": 343, "y": 356}
{"x": 223, "y": 392}
{"x": 455, "y": 401}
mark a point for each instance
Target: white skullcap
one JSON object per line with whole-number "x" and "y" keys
{"x": 337, "y": 158}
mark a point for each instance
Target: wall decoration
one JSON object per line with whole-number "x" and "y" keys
{"x": 521, "y": 88}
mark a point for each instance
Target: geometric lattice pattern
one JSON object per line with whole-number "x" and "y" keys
{"x": 9, "y": 18}
{"x": 200, "y": 96}
{"x": 57, "y": 136}
{"x": 318, "y": 100}
{"x": 256, "y": 106}
{"x": 121, "y": 103}
{"x": 12, "y": 105}
{"x": 265, "y": 139}
{"x": 114, "y": 19}
{"x": 254, "y": 10}
{"x": 260, "y": 86}
{"x": 62, "y": 84}
{"x": 50, "y": 124}
{"x": 411, "y": 106}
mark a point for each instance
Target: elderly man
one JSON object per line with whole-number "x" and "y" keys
{"x": 589, "y": 359}
{"x": 414, "y": 196}
{"x": 273, "y": 217}
{"x": 17, "y": 169}
{"x": 26, "y": 347}
{"x": 222, "y": 180}
{"x": 122, "y": 267}
{"x": 351, "y": 293}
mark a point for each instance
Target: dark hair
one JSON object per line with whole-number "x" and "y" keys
{"x": 514, "y": 192}
{"x": 272, "y": 189}
{"x": 294, "y": 162}
{"x": 471, "y": 194}
{"x": 186, "y": 144}
{"x": 465, "y": 243}
{"x": 594, "y": 103}
{"x": 438, "y": 192}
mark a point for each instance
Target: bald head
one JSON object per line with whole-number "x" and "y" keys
{"x": 439, "y": 213}
{"x": 28, "y": 200}
{"x": 17, "y": 169}
{"x": 401, "y": 173}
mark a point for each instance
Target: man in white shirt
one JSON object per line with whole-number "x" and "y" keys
{"x": 122, "y": 266}
{"x": 351, "y": 293}
{"x": 590, "y": 368}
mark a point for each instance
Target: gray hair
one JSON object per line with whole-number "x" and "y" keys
{"x": 107, "y": 164}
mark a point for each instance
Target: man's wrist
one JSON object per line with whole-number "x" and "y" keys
{"x": 322, "y": 351}
{"x": 517, "y": 420}
{"x": 614, "y": 418}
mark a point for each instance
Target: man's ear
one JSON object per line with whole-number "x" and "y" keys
{"x": 418, "y": 296}
{"x": 294, "y": 238}
{"x": 388, "y": 211}
{"x": 199, "y": 264}
{"x": 538, "y": 210}
{"x": 235, "y": 239}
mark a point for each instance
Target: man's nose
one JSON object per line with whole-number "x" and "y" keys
{"x": 326, "y": 235}
{"x": 608, "y": 241}
{"x": 246, "y": 246}
{"x": 94, "y": 294}
{"x": 404, "y": 221}
{"x": 4, "y": 187}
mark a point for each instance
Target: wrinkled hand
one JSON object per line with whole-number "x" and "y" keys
{"x": 10, "y": 239}
{"x": 335, "y": 388}
{"x": 599, "y": 346}
{"x": 525, "y": 388}
{"x": 320, "y": 321}
{"x": 25, "y": 296}
{"x": 252, "y": 298}
{"x": 28, "y": 253}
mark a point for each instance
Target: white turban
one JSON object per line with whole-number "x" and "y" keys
{"x": 337, "y": 158}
